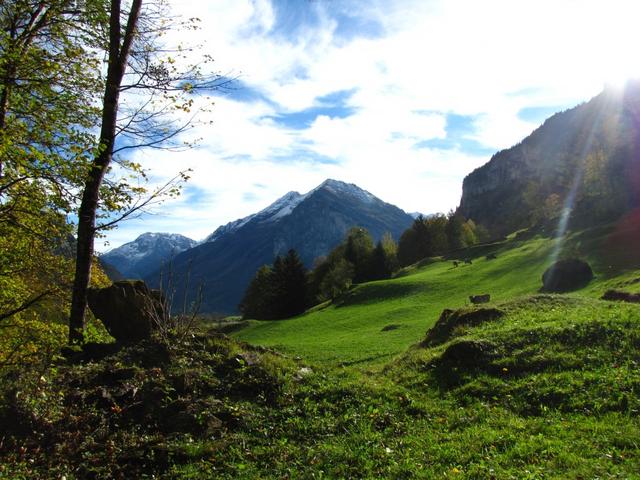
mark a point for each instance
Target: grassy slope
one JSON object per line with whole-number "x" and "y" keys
{"x": 554, "y": 394}
{"x": 350, "y": 331}
{"x": 556, "y": 398}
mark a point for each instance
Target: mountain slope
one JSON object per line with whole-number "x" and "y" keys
{"x": 375, "y": 321}
{"x": 312, "y": 224}
{"x": 585, "y": 158}
{"x": 144, "y": 255}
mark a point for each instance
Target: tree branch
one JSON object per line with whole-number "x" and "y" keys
{"x": 24, "y": 306}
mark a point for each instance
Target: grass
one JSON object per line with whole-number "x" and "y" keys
{"x": 555, "y": 397}
{"x": 350, "y": 331}
{"x": 547, "y": 388}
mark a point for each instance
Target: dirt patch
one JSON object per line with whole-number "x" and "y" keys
{"x": 618, "y": 296}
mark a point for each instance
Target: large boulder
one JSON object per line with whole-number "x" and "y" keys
{"x": 566, "y": 275}
{"x": 129, "y": 309}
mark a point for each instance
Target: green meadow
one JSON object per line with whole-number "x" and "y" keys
{"x": 549, "y": 389}
{"x": 375, "y": 322}
{"x": 529, "y": 386}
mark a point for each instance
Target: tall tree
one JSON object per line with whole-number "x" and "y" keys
{"x": 137, "y": 64}
{"x": 258, "y": 299}
{"x": 120, "y": 43}
{"x": 47, "y": 83}
{"x": 384, "y": 259}
{"x": 455, "y": 230}
{"x": 278, "y": 291}
{"x": 415, "y": 242}
{"x": 290, "y": 279}
{"x": 358, "y": 250}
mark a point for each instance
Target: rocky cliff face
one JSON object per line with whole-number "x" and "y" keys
{"x": 592, "y": 149}
{"x": 311, "y": 223}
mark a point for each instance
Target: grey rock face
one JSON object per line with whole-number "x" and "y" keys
{"x": 502, "y": 193}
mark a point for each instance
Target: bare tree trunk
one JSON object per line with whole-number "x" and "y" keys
{"x": 4, "y": 105}
{"x": 118, "y": 57}
{"x": 8, "y": 79}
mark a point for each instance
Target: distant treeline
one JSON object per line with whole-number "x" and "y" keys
{"x": 287, "y": 288}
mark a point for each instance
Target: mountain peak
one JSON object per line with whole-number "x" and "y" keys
{"x": 285, "y": 205}
{"x": 342, "y": 188}
{"x": 332, "y": 182}
{"x": 159, "y": 235}
{"x": 135, "y": 259}
{"x": 312, "y": 223}
{"x": 281, "y": 207}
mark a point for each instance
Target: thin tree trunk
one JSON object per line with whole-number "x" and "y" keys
{"x": 118, "y": 57}
{"x": 8, "y": 80}
{"x": 4, "y": 105}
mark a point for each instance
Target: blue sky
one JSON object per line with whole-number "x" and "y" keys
{"x": 403, "y": 98}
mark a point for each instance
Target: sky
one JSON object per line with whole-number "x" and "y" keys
{"x": 403, "y": 98}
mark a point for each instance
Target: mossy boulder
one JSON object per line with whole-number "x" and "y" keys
{"x": 468, "y": 353}
{"x": 566, "y": 275}
{"x": 129, "y": 310}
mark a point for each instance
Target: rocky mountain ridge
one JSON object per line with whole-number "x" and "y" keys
{"x": 312, "y": 223}
{"x": 140, "y": 257}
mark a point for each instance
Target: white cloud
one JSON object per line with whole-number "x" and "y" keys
{"x": 486, "y": 59}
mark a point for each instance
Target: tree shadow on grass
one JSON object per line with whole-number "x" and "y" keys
{"x": 375, "y": 292}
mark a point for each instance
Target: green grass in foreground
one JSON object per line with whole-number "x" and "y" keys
{"x": 553, "y": 395}
{"x": 547, "y": 388}
{"x": 556, "y": 397}
{"x": 352, "y": 330}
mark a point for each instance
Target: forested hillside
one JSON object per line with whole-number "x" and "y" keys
{"x": 584, "y": 159}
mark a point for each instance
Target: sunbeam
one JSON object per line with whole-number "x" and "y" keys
{"x": 611, "y": 95}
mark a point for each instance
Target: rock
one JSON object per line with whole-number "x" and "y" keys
{"x": 248, "y": 358}
{"x": 566, "y": 275}
{"x": 468, "y": 353}
{"x": 484, "y": 298}
{"x": 450, "y": 319}
{"x": 90, "y": 351}
{"x": 302, "y": 373}
{"x": 618, "y": 296}
{"x": 129, "y": 309}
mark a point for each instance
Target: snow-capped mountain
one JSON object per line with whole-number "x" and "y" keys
{"x": 146, "y": 253}
{"x": 278, "y": 209}
{"x": 284, "y": 206}
{"x": 312, "y": 223}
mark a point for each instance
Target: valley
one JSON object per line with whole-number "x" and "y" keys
{"x": 351, "y": 329}
{"x": 240, "y": 332}
{"x": 547, "y": 389}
